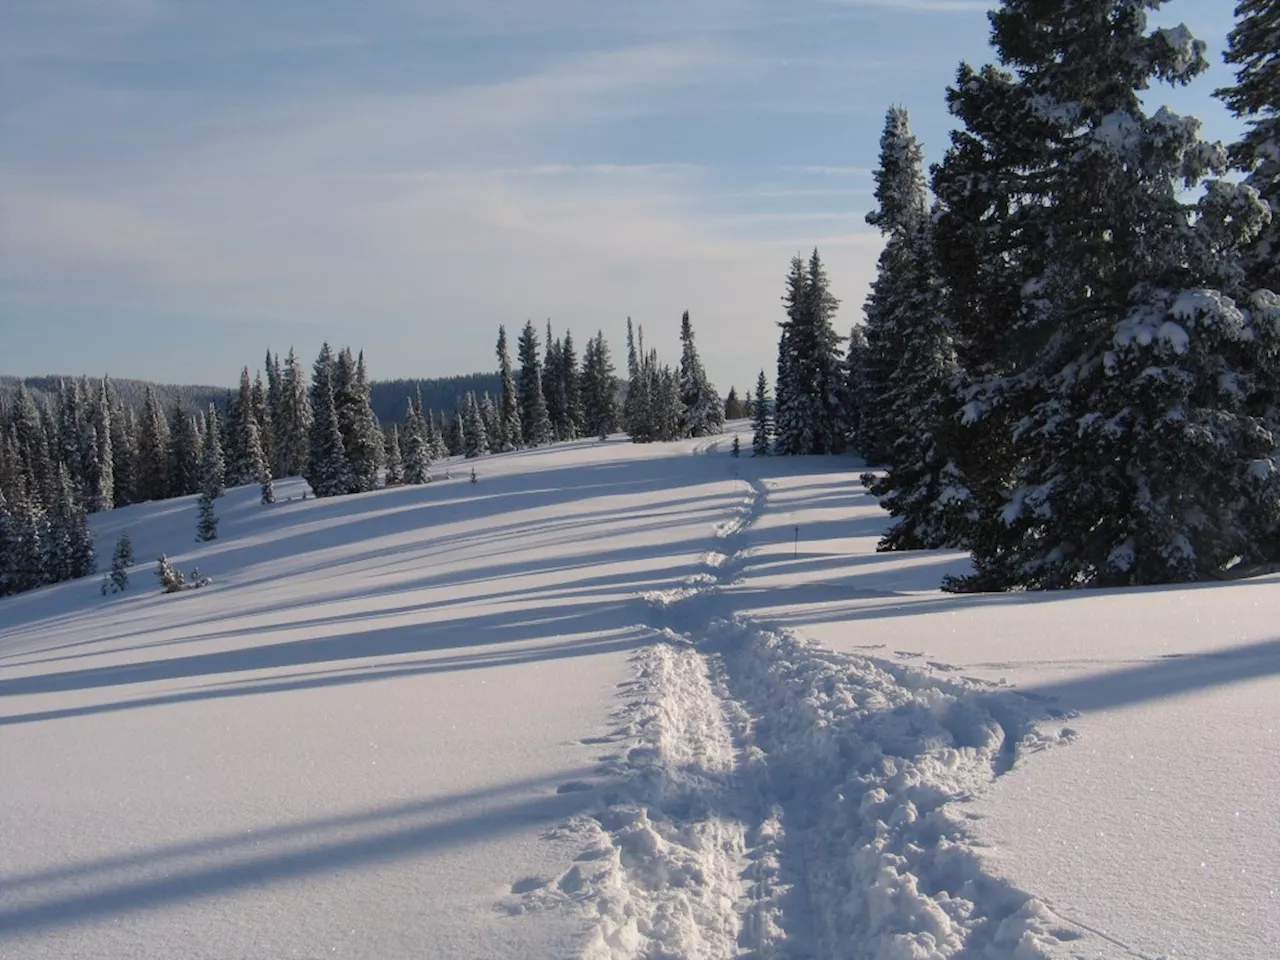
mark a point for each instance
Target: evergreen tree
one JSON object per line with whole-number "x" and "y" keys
{"x": 185, "y": 453}
{"x": 153, "y": 450}
{"x": 68, "y": 544}
{"x": 417, "y": 457}
{"x": 533, "y": 405}
{"x": 293, "y": 422}
{"x": 249, "y": 464}
{"x": 1118, "y": 379}
{"x": 733, "y": 409}
{"x": 121, "y": 561}
{"x": 101, "y": 471}
{"x": 262, "y": 414}
{"x": 761, "y": 436}
{"x": 553, "y": 387}
{"x": 395, "y": 463}
{"x": 857, "y": 392}
{"x": 631, "y": 415}
{"x": 170, "y": 577}
{"x": 124, "y": 449}
{"x": 361, "y": 435}
{"x": 599, "y": 389}
{"x": 274, "y": 415}
{"x": 1253, "y": 46}
{"x": 207, "y": 525}
{"x": 510, "y": 429}
{"x": 573, "y": 419}
{"x": 328, "y": 473}
{"x": 703, "y": 412}
{"x": 906, "y": 412}
{"x": 213, "y": 467}
{"x": 492, "y": 428}
{"x": 475, "y": 441}
{"x": 810, "y": 413}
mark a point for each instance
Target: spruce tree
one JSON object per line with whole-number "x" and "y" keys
{"x": 533, "y": 405}
{"x": 857, "y": 391}
{"x": 906, "y": 411}
{"x": 1253, "y": 47}
{"x": 121, "y": 561}
{"x": 207, "y": 524}
{"x": 153, "y": 450}
{"x": 213, "y": 467}
{"x": 327, "y": 473}
{"x": 185, "y": 454}
{"x": 101, "y": 479}
{"x": 293, "y": 423}
{"x": 1121, "y": 378}
{"x": 475, "y": 441}
{"x": 810, "y": 413}
{"x": 703, "y": 412}
{"x": 511, "y": 432}
{"x": 630, "y": 413}
{"x": 553, "y": 387}
{"x": 170, "y": 577}
{"x": 733, "y": 409}
{"x": 762, "y": 421}
{"x": 417, "y": 456}
{"x": 599, "y": 389}
{"x": 395, "y": 463}
{"x": 573, "y": 416}
{"x": 489, "y": 416}
{"x": 124, "y": 449}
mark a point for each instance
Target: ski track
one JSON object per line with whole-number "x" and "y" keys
{"x": 777, "y": 800}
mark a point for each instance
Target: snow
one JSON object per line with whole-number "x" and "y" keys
{"x": 621, "y": 700}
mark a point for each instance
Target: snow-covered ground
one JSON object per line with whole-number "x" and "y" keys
{"x": 626, "y": 701}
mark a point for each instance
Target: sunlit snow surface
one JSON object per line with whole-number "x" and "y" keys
{"x": 615, "y": 700}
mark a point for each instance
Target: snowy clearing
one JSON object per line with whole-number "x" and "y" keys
{"x": 626, "y": 701}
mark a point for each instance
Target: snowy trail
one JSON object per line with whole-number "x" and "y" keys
{"x": 781, "y": 800}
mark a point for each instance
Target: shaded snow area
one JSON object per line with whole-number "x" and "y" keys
{"x": 623, "y": 701}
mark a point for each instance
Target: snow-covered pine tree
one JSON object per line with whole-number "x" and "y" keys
{"x": 262, "y": 413}
{"x": 121, "y": 561}
{"x": 185, "y": 453}
{"x": 435, "y": 434}
{"x": 475, "y": 441}
{"x": 394, "y": 473}
{"x": 417, "y": 456}
{"x": 733, "y": 409}
{"x": 207, "y": 523}
{"x": 246, "y": 460}
{"x": 170, "y": 577}
{"x": 68, "y": 546}
{"x": 213, "y": 466}
{"x": 901, "y": 207}
{"x": 911, "y": 370}
{"x": 533, "y": 405}
{"x": 1253, "y": 47}
{"x": 124, "y": 449}
{"x": 553, "y": 386}
{"x": 153, "y": 450}
{"x": 293, "y": 423}
{"x": 703, "y": 412}
{"x": 361, "y": 434}
{"x": 810, "y": 415}
{"x": 599, "y": 389}
{"x": 327, "y": 471}
{"x": 492, "y": 428}
{"x": 574, "y": 418}
{"x": 762, "y": 420}
{"x": 274, "y": 414}
{"x": 101, "y": 473}
{"x": 511, "y": 432}
{"x": 1125, "y": 379}
{"x": 856, "y": 389}
{"x": 631, "y": 414}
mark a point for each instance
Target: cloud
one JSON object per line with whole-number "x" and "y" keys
{"x": 925, "y": 6}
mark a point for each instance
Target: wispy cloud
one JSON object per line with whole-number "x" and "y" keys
{"x": 924, "y": 6}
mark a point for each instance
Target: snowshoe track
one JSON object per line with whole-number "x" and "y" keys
{"x": 784, "y": 801}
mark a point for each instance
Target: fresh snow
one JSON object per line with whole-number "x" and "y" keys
{"x": 623, "y": 701}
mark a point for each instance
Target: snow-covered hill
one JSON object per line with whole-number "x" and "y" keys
{"x": 626, "y": 701}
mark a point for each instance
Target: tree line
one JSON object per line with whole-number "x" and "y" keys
{"x": 1069, "y": 364}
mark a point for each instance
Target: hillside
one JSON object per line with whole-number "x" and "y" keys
{"x": 618, "y": 700}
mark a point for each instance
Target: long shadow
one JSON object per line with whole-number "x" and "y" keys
{"x": 387, "y": 834}
{"x": 345, "y": 676}
{"x": 503, "y": 626}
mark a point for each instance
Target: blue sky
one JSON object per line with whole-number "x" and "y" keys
{"x": 185, "y": 184}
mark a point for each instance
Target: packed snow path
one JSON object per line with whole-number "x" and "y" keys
{"x": 785, "y": 801}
